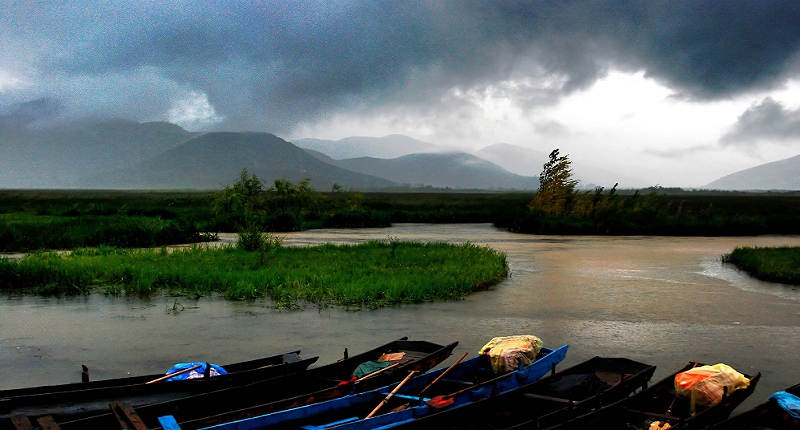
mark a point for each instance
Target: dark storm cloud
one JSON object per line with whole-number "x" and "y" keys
{"x": 268, "y": 65}
{"x": 767, "y": 120}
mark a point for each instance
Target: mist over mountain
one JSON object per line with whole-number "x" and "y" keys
{"x": 513, "y": 158}
{"x": 215, "y": 159}
{"x": 59, "y": 157}
{"x": 778, "y": 175}
{"x": 392, "y": 146}
{"x": 457, "y": 170}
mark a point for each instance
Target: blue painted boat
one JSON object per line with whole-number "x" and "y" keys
{"x": 468, "y": 381}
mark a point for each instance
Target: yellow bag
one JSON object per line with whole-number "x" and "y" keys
{"x": 507, "y": 352}
{"x": 704, "y": 385}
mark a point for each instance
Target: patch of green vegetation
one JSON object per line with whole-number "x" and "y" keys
{"x": 24, "y": 232}
{"x": 371, "y": 275}
{"x": 780, "y": 264}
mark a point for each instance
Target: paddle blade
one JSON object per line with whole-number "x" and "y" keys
{"x": 440, "y": 402}
{"x": 350, "y": 381}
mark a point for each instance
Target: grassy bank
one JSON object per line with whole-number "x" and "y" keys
{"x": 372, "y": 275}
{"x": 769, "y": 264}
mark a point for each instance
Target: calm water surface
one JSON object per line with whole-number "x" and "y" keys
{"x": 661, "y": 300}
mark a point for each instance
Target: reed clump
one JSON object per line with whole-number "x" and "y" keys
{"x": 778, "y": 264}
{"x": 371, "y": 275}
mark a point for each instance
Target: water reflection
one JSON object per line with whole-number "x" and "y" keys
{"x": 660, "y": 300}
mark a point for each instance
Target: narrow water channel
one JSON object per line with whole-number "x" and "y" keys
{"x": 661, "y": 300}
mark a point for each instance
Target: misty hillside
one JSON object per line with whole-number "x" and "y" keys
{"x": 391, "y": 146}
{"x": 778, "y": 175}
{"x": 213, "y": 160}
{"x": 456, "y": 170}
{"x": 58, "y": 157}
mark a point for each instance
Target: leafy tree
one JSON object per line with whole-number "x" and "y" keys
{"x": 556, "y": 186}
{"x": 241, "y": 198}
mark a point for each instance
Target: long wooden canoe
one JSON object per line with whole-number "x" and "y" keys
{"x": 313, "y": 385}
{"x": 390, "y": 406}
{"x": 553, "y": 399}
{"x": 660, "y": 403}
{"x": 767, "y": 415}
{"x": 71, "y": 401}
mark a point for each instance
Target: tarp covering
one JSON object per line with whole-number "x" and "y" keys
{"x": 368, "y": 367}
{"x": 789, "y": 402}
{"x": 705, "y": 385}
{"x": 507, "y": 353}
{"x": 194, "y": 374}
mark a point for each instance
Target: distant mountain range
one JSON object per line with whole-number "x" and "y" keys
{"x": 212, "y": 160}
{"x": 456, "y": 170}
{"x": 778, "y": 175}
{"x": 392, "y": 146}
{"x": 158, "y": 155}
{"x": 513, "y": 158}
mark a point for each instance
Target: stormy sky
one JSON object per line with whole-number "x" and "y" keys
{"x": 677, "y": 93}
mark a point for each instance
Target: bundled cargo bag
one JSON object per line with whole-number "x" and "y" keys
{"x": 508, "y": 353}
{"x": 705, "y": 386}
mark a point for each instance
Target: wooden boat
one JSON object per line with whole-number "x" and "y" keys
{"x": 659, "y": 403}
{"x": 415, "y": 397}
{"x": 70, "y": 401}
{"x": 553, "y": 399}
{"x": 767, "y": 415}
{"x": 313, "y": 385}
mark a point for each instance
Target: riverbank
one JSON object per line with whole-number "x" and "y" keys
{"x": 372, "y": 274}
{"x": 768, "y": 264}
{"x": 659, "y": 300}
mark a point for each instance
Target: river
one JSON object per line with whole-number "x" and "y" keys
{"x": 660, "y": 300}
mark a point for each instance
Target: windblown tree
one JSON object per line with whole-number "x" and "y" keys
{"x": 556, "y": 187}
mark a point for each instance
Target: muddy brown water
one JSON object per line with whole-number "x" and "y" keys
{"x": 660, "y": 300}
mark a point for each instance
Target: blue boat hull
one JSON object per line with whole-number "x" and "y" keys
{"x": 469, "y": 381}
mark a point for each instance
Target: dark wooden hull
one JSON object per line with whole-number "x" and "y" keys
{"x": 767, "y": 415}
{"x": 73, "y": 401}
{"x": 467, "y": 382}
{"x": 551, "y": 400}
{"x": 659, "y": 403}
{"x": 311, "y": 386}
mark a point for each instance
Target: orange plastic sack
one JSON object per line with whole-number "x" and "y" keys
{"x": 508, "y": 352}
{"x": 704, "y": 386}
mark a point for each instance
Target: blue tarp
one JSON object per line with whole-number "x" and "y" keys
{"x": 197, "y": 373}
{"x": 789, "y": 402}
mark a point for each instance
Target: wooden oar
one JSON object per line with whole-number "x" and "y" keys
{"x": 386, "y": 400}
{"x": 180, "y": 372}
{"x": 443, "y": 373}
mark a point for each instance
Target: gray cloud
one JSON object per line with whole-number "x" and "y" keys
{"x": 768, "y": 120}
{"x": 269, "y": 65}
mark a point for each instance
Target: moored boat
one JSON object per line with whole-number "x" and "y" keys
{"x": 550, "y": 400}
{"x": 316, "y": 384}
{"x": 71, "y": 401}
{"x": 415, "y": 397}
{"x": 661, "y": 407}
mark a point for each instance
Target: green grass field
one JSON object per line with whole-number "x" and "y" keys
{"x": 369, "y": 275}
